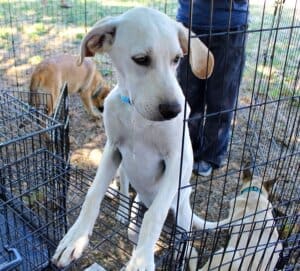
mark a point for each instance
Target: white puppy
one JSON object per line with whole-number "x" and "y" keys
{"x": 144, "y": 122}
{"x": 253, "y": 243}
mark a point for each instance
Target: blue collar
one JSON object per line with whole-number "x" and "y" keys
{"x": 125, "y": 99}
{"x": 251, "y": 188}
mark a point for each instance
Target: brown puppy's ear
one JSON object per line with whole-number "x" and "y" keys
{"x": 247, "y": 174}
{"x": 201, "y": 59}
{"x": 99, "y": 39}
{"x": 268, "y": 185}
{"x": 105, "y": 91}
{"x": 97, "y": 92}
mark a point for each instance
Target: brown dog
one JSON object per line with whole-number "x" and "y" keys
{"x": 50, "y": 75}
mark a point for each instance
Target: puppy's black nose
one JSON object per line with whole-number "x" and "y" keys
{"x": 169, "y": 110}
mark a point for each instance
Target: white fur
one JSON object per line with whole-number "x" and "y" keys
{"x": 146, "y": 147}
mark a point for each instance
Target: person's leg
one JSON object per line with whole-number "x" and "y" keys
{"x": 192, "y": 89}
{"x": 221, "y": 95}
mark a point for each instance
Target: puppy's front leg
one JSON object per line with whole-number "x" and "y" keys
{"x": 124, "y": 203}
{"x": 76, "y": 239}
{"x": 143, "y": 256}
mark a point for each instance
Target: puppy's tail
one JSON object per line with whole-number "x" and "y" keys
{"x": 200, "y": 224}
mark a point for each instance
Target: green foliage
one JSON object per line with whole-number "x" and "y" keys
{"x": 34, "y": 60}
{"x": 79, "y": 36}
{"x": 48, "y": 26}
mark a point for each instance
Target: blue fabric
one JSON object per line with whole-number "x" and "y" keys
{"x": 226, "y": 13}
{"x": 213, "y": 101}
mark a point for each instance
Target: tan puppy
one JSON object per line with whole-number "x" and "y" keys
{"x": 50, "y": 75}
{"x": 253, "y": 243}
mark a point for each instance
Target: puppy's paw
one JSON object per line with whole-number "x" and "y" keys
{"x": 96, "y": 113}
{"x": 71, "y": 246}
{"x": 141, "y": 260}
{"x": 113, "y": 192}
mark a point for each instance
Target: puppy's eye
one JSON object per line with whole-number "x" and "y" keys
{"x": 176, "y": 59}
{"x": 142, "y": 60}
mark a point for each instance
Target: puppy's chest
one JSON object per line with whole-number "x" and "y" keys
{"x": 137, "y": 142}
{"x": 143, "y": 156}
{"x": 136, "y": 136}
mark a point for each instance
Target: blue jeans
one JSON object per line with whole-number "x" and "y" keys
{"x": 209, "y": 125}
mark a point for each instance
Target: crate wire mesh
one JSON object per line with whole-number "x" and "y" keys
{"x": 25, "y": 130}
{"x": 60, "y": 116}
{"x": 109, "y": 244}
{"x": 34, "y": 217}
{"x": 30, "y": 188}
{"x": 264, "y": 137}
{"x": 31, "y": 203}
{"x": 265, "y": 132}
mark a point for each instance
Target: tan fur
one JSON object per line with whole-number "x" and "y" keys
{"x": 253, "y": 243}
{"x": 50, "y": 75}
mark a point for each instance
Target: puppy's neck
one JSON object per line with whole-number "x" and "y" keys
{"x": 254, "y": 187}
{"x": 251, "y": 188}
{"x": 123, "y": 93}
{"x": 125, "y": 99}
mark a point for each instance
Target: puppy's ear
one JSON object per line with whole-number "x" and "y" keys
{"x": 99, "y": 39}
{"x": 268, "y": 185}
{"x": 105, "y": 91}
{"x": 201, "y": 59}
{"x": 247, "y": 174}
{"x": 97, "y": 92}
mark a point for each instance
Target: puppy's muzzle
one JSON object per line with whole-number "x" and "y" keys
{"x": 169, "y": 110}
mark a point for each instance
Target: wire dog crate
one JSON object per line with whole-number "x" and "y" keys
{"x": 41, "y": 196}
{"x": 31, "y": 205}
{"x": 25, "y": 130}
{"x": 33, "y": 151}
{"x": 264, "y": 138}
{"x": 40, "y": 202}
